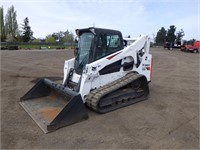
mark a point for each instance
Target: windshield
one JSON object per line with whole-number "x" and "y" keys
{"x": 83, "y": 51}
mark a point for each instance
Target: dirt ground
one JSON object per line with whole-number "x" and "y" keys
{"x": 169, "y": 119}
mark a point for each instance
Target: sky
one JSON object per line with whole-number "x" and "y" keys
{"x": 131, "y": 17}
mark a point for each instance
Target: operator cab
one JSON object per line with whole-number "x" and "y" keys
{"x": 95, "y": 43}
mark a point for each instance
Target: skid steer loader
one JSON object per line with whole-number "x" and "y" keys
{"x": 105, "y": 74}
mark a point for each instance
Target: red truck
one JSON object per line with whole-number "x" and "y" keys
{"x": 195, "y": 47}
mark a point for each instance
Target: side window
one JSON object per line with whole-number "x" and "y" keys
{"x": 113, "y": 42}
{"x": 107, "y": 44}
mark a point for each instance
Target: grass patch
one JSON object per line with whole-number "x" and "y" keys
{"x": 44, "y": 47}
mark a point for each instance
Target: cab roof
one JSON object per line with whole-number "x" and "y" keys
{"x": 96, "y": 31}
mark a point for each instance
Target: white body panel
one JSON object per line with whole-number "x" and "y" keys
{"x": 91, "y": 79}
{"x": 68, "y": 64}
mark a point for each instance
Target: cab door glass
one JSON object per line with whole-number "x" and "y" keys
{"x": 107, "y": 44}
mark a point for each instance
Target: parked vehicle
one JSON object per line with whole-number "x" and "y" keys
{"x": 104, "y": 74}
{"x": 194, "y": 48}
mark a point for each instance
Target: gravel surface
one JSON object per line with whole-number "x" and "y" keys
{"x": 169, "y": 119}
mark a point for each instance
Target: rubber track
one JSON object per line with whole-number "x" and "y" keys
{"x": 94, "y": 97}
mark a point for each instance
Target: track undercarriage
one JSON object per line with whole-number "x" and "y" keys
{"x": 125, "y": 91}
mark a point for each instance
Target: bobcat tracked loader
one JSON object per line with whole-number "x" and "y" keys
{"x": 107, "y": 73}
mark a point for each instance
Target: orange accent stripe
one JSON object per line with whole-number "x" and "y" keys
{"x": 110, "y": 57}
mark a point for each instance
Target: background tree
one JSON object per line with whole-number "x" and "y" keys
{"x": 191, "y": 41}
{"x": 2, "y": 25}
{"x": 68, "y": 37}
{"x": 11, "y": 26}
{"x": 19, "y": 36}
{"x": 179, "y": 36}
{"x": 27, "y": 33}
{"x": 63, "y": 37}
{"x": 50, "y": 39}
{"x": 55, "y": 35}
{"x": 161, "y": 36}
{"x": 36, "y": 40}
{"x": 171, "y": 34}
{"x": 58, "y": 36}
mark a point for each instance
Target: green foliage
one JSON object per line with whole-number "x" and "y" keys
{"x": 161, "y": 36}
{"x": 50, "y": 39}
{"x": 190, "y": 42}
{"x": 27, "y": 33}
{"x": 11, "y": 26}
{"x": 58, "y": 35}
{"x": 2, "y": 25}
{"x": 19, "y": 38}
{"x": 36, "y": 40}
{"x": 171, "y": 34}
{"x": 64, "y": 36}
{"x": 179, "y": 35}
{"x": 68, "y": 37}
{"x": 11, "y": 33}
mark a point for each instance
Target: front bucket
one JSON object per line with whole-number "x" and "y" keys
{"x": 53, "y": 106}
